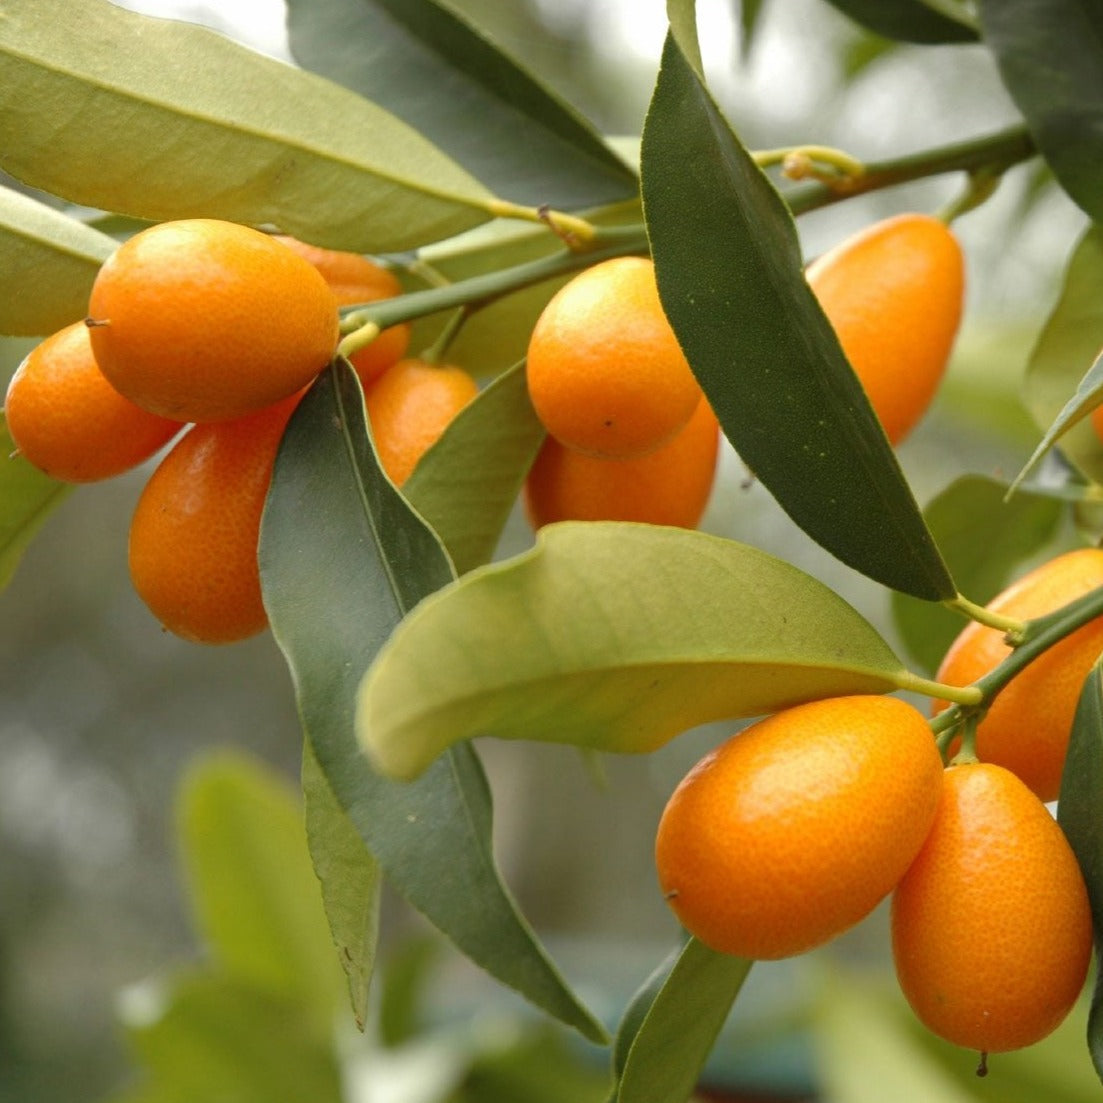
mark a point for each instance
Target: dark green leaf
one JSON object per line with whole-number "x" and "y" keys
{"x": 162, "y": 119}
{"x": 1078, "y": 813}
{"x": 466, "y": 484}
{"x": 254, "y": 893}
{"x": 209, "y": 1036}
{"x": 730, "y": 277}
{"x": 1068, "y": 344}
{"x": 47, "y": 264}
{"x": 1050, "y": 55}
{"x": 678, "y": 1031}
{"x": 27, "y": 498}
{"x": 984, "y": 535}
{"x": 350, "y": 879}
{"x": 343, "y": 557}
{"x": 911, "y": 20}
{"x": 615, "y": 637}
{"x": 437, "y": 72}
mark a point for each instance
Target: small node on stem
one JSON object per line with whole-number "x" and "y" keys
{"x": 96, "y": 323}
{"x": 576, "y": 233}
{"x": 833, "y": 167}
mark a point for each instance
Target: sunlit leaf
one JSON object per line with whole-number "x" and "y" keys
{"x": 730, "y": 277}
{"x": 1078, "y": 814}
{"x": 162, "y": 119}
{"x": 1051, "y": 59}
{"x": 679, "y": 1028}
{"x": 253, "y": 890}
{"x": 434, "y": 69}
{"x": 984, "y": 536}
{"x": 615, "y": 637}
{"x": 343, "y": 557}
{"x": 912, "y": 20}
{"x": 27, "y": 498}
{"x": 1067, "y": 347}
{"x": 466, "y": 484}
{"x": 350, "y": 880}
{"x": 47, "y": 264}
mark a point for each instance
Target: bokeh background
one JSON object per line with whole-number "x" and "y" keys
{"x": 101, "y": 712}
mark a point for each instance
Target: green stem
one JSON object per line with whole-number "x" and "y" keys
{"x": 994, "y": 153}
{"x": 1007, "y": 625}
{"x": 488, "y": 286}
{"x": 914, "y": 683}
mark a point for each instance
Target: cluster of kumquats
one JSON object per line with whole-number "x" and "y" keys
{"x": 796, "y": 828}
{"x": 209, "y": 332}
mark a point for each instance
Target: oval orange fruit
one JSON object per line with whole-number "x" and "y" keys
{"x": 991, "y": 926}
{"x": 409, "y": 406}
{"x": 204, "y": 320}
{"x": 894, "y": 295}
{"x": 196, "y": 527}
{"x": 67, "y": 420}
{"x": 605, "y": 372}
{"x": 797, "y": 827}
{"x": 357, "y": 279}
{"x": 669, "y": 486}
{"x": 1028, "y": 723}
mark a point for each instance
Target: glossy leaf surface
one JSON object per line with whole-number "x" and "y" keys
{"x": 435, "y": 70}
{"x": 984, "y": 536}
{"x": 1050, "y": 56}
{"x": 47, "y": 264}
{"x": 614, "y": 637}
{"x": 162, "y": 119}
{"x": 730, "y": 277}
{"x": 343, "y": 557}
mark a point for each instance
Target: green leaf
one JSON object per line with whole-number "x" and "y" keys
{"x": 27, "y": 498}
{"x": 436, "y": 71}
{"x": 162, "y": 119}
{"x": 210, "y": 1036}
{"x": 638, "y": 1007}
{"x": 1078, "y": 814}
{"x": 730, "y": 277}
{"x": 1050, "y": 56}
{"x": 254, "y": 893}
{"x": 467, "y": 483}
{"x": 1069, "y": 342}
{"x": 615, "y": 637}
{"x": 47, "y": 264}
{"x": 350, "y": 879}
{"x": 342, "y": 558}
{"x": 680, "y": 1027}
{"x": 912, "y": 20}
{"x": 682, "y": 15}
{"x": 984, "y": 536}
{"x": 1089, "y": 394}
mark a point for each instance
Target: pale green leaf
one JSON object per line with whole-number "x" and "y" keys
{"x": 677, "y": 1032}
{"x": 162, "y": 119}
{"x": 254, "y": 893}
{"x": 27, "y": 498}
{"x": 615, "y": 637}
{"x": 466, "y": 484}
{"x": 47, "y": 264}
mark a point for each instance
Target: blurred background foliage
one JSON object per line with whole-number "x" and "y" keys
{"x": 103, "y": 714}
